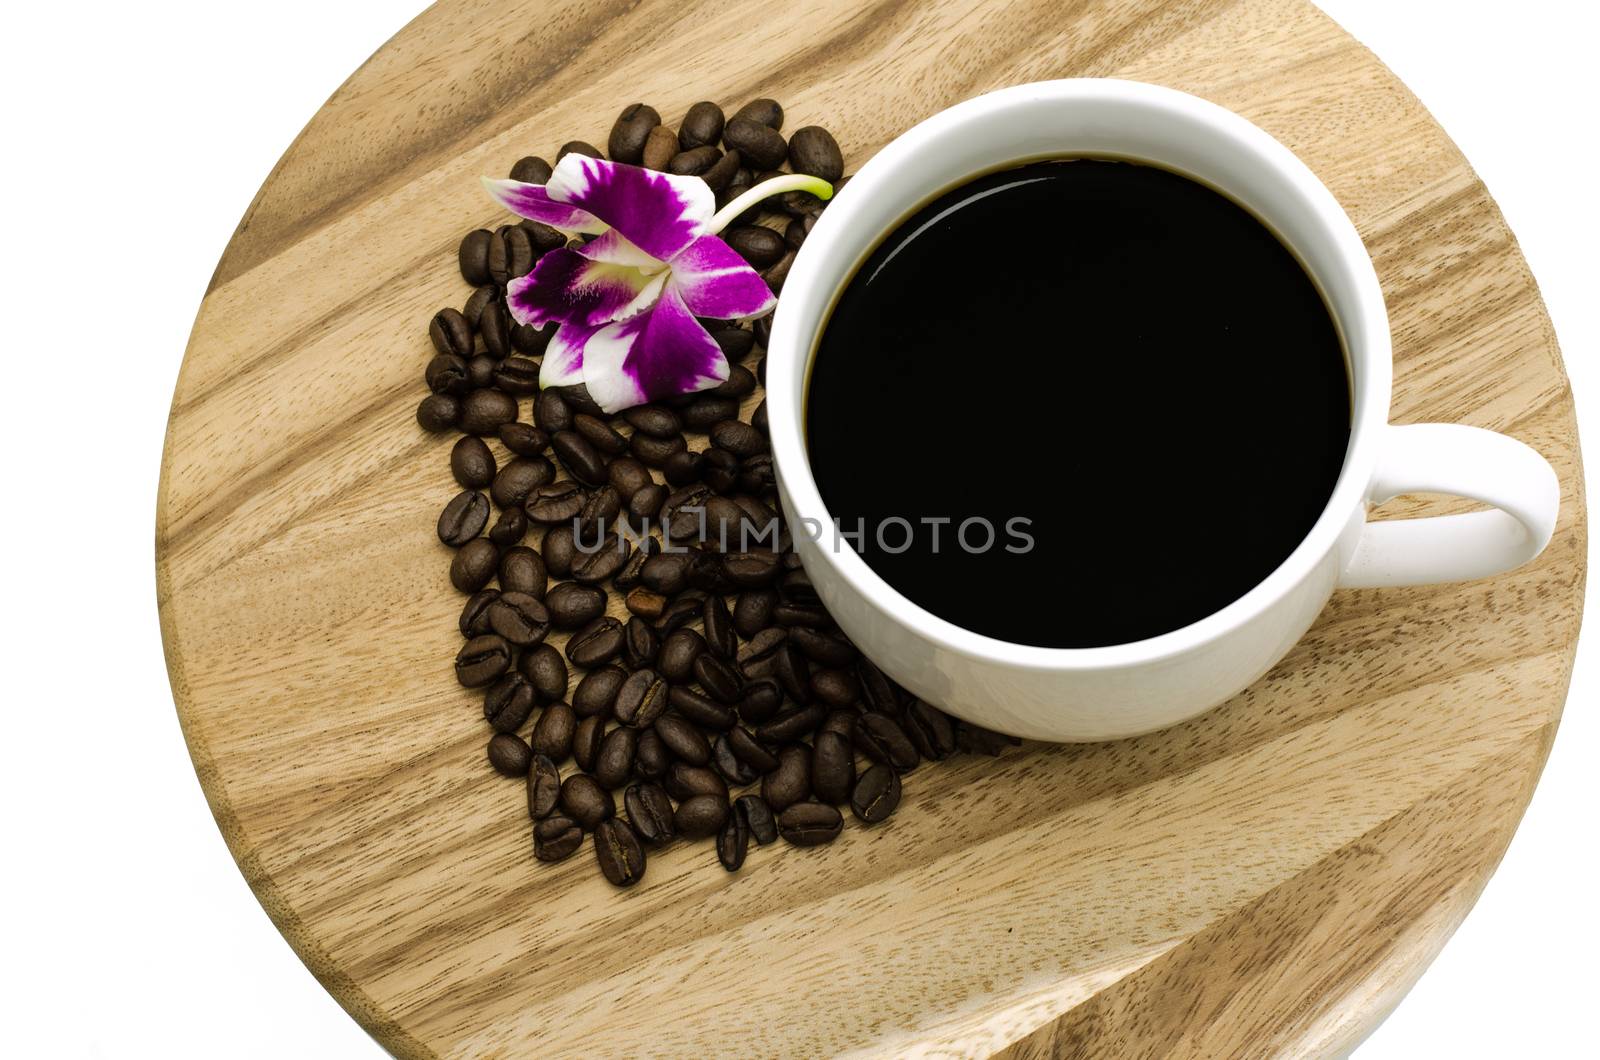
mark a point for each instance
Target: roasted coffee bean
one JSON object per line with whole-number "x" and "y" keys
{"x": 599, "y": 557}
{"x": 508, "y": 702}
{"x": 545, "y": 238}
{"x": 652, "y": 759}
{"x": 551, "y": 412}
{"x": 809, "y": 824}
{"x": 650, "y": 812}
{"x": 598, "y": 690}
{"x": 581, "y": 459}
{"x": 752, "y": 611}
{"x": 617, "y": 850}
{"x": 474, "y": 614}
{"x": 599, "y": 513}
{"x": 451, "y": 333}
{"x": 556, "y": 837}
{"x": 530, "y": 340}
{"x": 736, "y": 342}
{"x": 974, "y": 739}
{"x": 573, "y": 606}
{"x": 641, "y": 699}
{"x": 930, "y": 730}
{"x": 521, "y": 476}
{"x": 791, "y": 724}
{"x": 552, "y": 733}
{"x": 579, "y": 400}
{"x": 684, "y": 518}
{"x": 683, "y": 609}
{"x": 757, "y": 474}
{"x": 814, "y": 151}
{"x": 798, "y": 228}
{"x": 795, "y": 587}
{"x": 694, "y": 161}
{"x": 682, "y": 468}
{"x": 519, "y": 617}
{"x": 645, "y": 604}
{"x": 733, "y": 841}
{"x": 792, "y": 672}
{"x": 474, "y": 256}
{"x": 676, "y": 658}
{"x": 559, "y": 502}
{"x": 531, "y": 170}
{"x": 720, "y": 470}
{"x": 438, "y": 412}
{"x": 777, "y": 274}
{"x": 472, "y": 463}
{"x": 718, "y": 678}
{"x": 659, "y": 148}
{"x": 520, "y": 254}
{"x": 632, "y": 128}
{"x": 700, "y": 816}
{"x": 842, "y": 722}
{"x": 627, "y": 476}
{"x": 667, "y": 573}
{"x": 720, "y": 174}
{"x": 740, "y": 439}
{"x": 447, "y": 374}
{"x": 749, "y": 750}
{"x": 578, "y": 147}
{"x": 614, "y": 764}
{"x": 761, "y": 701}
{"x": 509, "y": 755}
{"x": 876, "y": 794}
{"x": 598, "y": 642}
{"x": 463, "y": 519}
{"x": 546, "y": 671}
{"x": 810, "y": 615}
{"x": 685, "y": 741}
{"x": 878, "y": 693}
{"x": 760, "y": 146}
{"x": 758, "y": 818}
{"x": 755, "y": 659}
{"x": 656, "y": 451}
{"x": 833, "y": 768}
{"x": 751, "y": 570}
{"x": 756, "y": 244}
{"x": 587, "y": 739}
{"x": 559, "y": 548}
{"x": 544, "y": 787}
{"x": 767, "y": 112}
{"x": 684, "y": 781}
{"x": 728, "y": 525}
{"x": 881, "y": 739}
{"x": 522, "y": 571}
{"x": 494, "y": 328}
{"x": 827, "y": 649}
{"x": 740, "y": 384}
{"x": 599, "y": 434}
{"x": 835, "y": 688}
{"x": 658, "y": 421}
{"x": 509, "y": 528}
{"x": 474, "y": 564}
{"x": 627, "y": 579}
{"x": 701, "y": 125}
{"x": 517, "y": 375}
{"x": 719, "y": 632}
{"x": 585, "y": 801}
{"x": 707, "y": 411}
{"x": 701, "y": 709}
{"x": 732, "y": 768}
{"x": 645, "y": 504}
{"x": 523, "y": 439}
{"x": 483, "y": 411}
{"x": 791, "y": 781}
{"x": 640, "y": 644}
{"x": 761, "y": 327}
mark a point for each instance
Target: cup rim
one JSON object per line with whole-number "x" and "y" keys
{"x": 1367, "y": 342}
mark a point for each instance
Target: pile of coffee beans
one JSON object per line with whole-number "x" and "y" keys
{"x": 719, "y": 701}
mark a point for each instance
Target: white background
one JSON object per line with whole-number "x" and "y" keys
{"x": 136, "y": 134}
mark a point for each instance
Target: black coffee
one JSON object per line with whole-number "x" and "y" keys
{"x": 1078, "y": 403}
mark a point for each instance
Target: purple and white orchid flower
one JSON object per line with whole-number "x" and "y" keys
{"x": 625, "y": 303}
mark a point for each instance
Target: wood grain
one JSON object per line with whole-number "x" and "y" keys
{"x": 1268, "y": 879}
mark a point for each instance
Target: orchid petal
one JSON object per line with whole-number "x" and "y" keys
{"x": 659, "y": 353}
{"x": 714, "y": 281}
{"x": 535, "y": 202}
{"x": 563, "y": 357}
{"x": 567, "y": 287}
{"x": 659, "y": 213}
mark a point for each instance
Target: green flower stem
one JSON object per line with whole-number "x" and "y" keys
{"x": 765, "y": 190}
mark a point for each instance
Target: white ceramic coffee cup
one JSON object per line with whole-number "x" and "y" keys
{"x": 1127, "y": 689}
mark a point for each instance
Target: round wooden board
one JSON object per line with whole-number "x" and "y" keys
{"x": 1267, "y": 879}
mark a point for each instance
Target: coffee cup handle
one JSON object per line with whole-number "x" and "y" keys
{"x": 1467, "y": 462}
